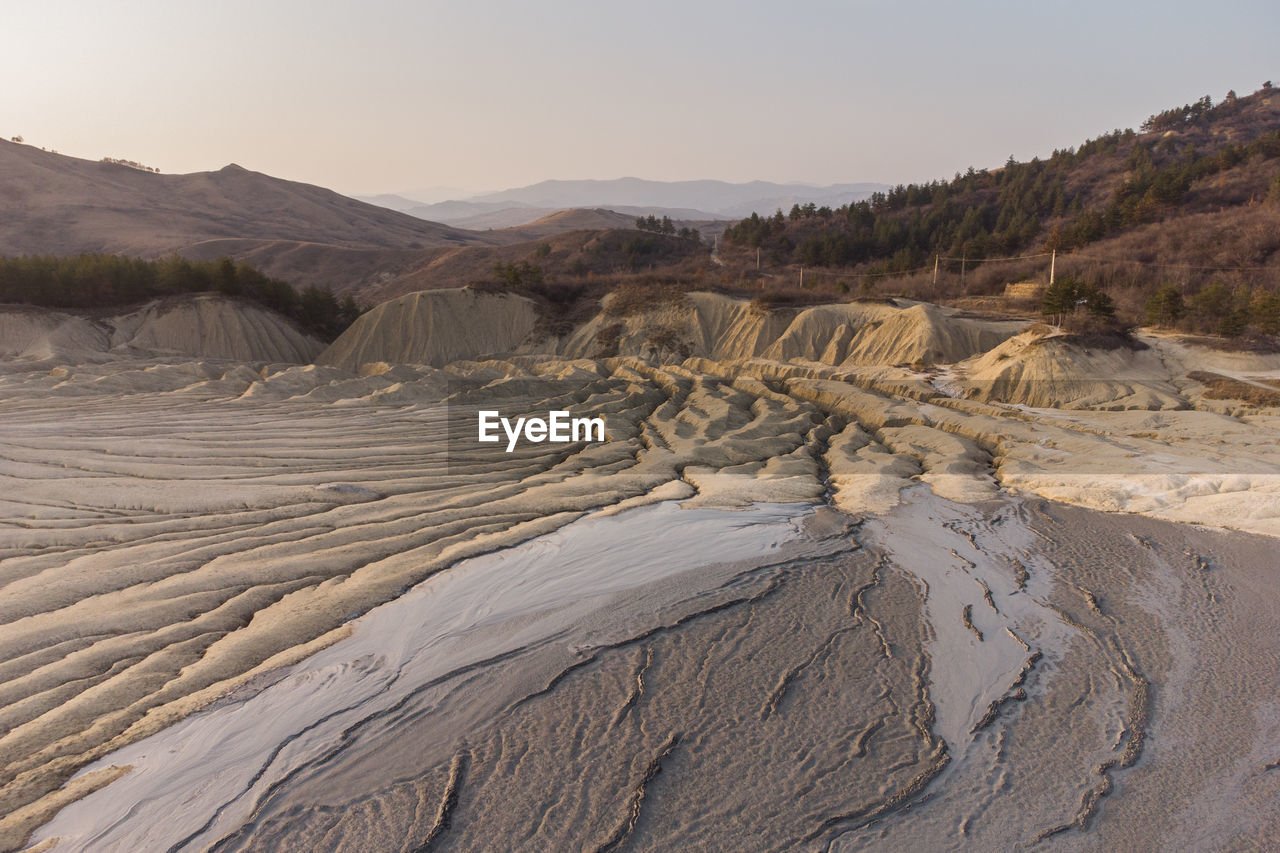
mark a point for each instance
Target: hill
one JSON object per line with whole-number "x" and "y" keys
{"x": 567, "y": 264}
{"x": 59, "y": 205}
{"x": 309, "y": 236}
{"x": 576, "y": 219}
{"x": 1193, "y": 196}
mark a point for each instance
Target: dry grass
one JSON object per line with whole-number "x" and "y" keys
{"x": 1219, "y": 387}
{"x": 639, "y": 297}
{"x": 1264, "y": 344}
{"x": 780, "y": 298}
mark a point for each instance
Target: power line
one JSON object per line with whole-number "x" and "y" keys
{"x": 1011, "y": 258}
{"x": 940, "y": 257}
{"x": 1169, "y": 266}
{"x": 827, "y": 272}
{"x": 880, "y": 274}
{"x": 1135, "y": 261}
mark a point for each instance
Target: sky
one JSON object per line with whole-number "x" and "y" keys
{"x": 382, "y": 96}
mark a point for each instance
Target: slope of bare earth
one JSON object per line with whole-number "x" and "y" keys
{"x": 670, "y": 329}
{"x": 200, "y": 326}
{"x": 63, "y": 205}
{"x": 1057, "y": 370}
{"x": 435, "y": 328}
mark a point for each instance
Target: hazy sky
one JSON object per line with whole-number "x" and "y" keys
{"x": 382, "y": 96}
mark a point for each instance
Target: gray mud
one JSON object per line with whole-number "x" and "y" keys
{"x": 1015, "y": 675}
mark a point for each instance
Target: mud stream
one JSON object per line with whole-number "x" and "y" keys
{"x": 941, "y": 675}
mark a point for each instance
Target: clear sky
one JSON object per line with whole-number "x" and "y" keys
{"x": 381, "y": 96}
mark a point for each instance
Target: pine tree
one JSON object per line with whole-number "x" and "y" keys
{"x": 1165, "y": 307}
{"x": 1060, "y": 299}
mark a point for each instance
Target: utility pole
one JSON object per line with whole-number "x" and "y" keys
{"x": 964, "y": 260}
{"x": 935, "y": 272}
{"x": 757, "y": 259}
{"x": 802, "y": 278}
{"x": 1053, "y": 263}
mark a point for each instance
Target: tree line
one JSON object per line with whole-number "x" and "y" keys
{"x": 90, "y": 281}
{"x": 1215, "y": 309}
{"x": 666, "y": 226}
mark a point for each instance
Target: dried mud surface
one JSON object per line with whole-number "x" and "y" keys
{"x": 937, "y": 658}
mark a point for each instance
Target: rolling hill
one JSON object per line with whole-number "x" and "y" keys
{"x": 59, "y": 205}
{"x": 307, "y": 235}
{"x": 515, "y": 217}
{"x": 1189, "y": 199}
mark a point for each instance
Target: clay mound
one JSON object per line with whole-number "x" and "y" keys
{"x": 709, "y": 325}
{"x": 925, "y": 334}
{"x": 33, "y": 333}
{"x": 435, "y": 328}
{"x": 824, "y": 333}
{"x": 439, "y": 326}
{"x": 705, "y": 325}
{"x": 203, "y": 326}
{"x": 1059, "y": 371}
{"x": 213, "y": 327}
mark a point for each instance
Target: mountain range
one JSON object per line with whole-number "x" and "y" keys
{"x": 687, "y": 200}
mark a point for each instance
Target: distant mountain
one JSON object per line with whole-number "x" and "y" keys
{"x": 513, "y": 217}
{"x": 51, "y": 203}
{"x": 391, "y": 202}
{"x": 717, "y": 198}
{"x": 454, "y": 212}
{"x": 688, "y": 200}
{"x": 431, "y": 195}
